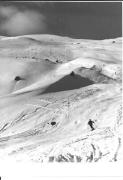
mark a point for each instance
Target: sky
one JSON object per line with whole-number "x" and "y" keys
{"x": 84, "y": 20}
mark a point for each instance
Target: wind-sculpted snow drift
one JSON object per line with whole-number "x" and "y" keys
{"x": 60, "y": 99}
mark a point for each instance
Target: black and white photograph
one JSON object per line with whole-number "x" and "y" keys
{"x": 61, "y": 83}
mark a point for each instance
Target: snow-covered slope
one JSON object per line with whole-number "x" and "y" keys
{"x": 60, "y": 99}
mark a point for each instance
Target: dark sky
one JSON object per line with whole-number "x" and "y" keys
{"x": 90, "y": 20}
